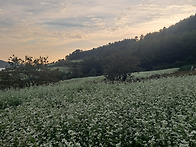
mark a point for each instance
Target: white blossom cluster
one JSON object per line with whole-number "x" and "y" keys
{"x": 91, "y": 112}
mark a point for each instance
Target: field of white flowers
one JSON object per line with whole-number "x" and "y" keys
{"x": 91, "y": 112}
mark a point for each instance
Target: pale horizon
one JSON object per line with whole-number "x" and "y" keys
{"x": 57, "y": 28}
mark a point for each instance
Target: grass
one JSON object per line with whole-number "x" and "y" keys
{"x": 150, "y": 73}
{"x": 64, "y": 69}
{"x": 92, "y": 112}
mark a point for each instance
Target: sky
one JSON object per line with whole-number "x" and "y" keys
{"x": 55, "y": 28}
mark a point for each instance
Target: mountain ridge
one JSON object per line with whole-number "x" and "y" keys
{"x": 170, "y": 47}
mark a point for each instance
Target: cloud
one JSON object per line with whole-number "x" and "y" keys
{"x": 70, "y": 22}
{"x": 45, "y": 3}
{"x": 150, "y": 11}
{"x": 63, "y": 24}
{"x": 6, "y": 22}
{"x": 60, "y": 26}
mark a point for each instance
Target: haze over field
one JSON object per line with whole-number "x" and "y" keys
{"x": 56, "y": 28}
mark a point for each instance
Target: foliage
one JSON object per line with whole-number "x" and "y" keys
{"x": 64, "y": 69}
{"x": 170, "y": 47}
{"x": 187, "y": 67}
{"x": 28, "y": 72}
{"x": 119, "y": 65}
{"x": 28, "y": 63}
{"x": 7, "y": 102}
{"x": 84, "y": 68}
{"x": 102, "y": 51}
{"x": 90, "y": 112}
{"x": 91, "y": 67}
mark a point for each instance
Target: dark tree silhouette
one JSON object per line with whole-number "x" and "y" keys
{"x": 119, "y": 65}
{"x": 28, "y": 72}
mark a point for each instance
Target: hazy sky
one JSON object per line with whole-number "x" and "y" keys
{"x": 57, "y": 27}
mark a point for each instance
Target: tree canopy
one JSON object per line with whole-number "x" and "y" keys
{"x": 28, "y": 72}
{"x": 173, "y": 46}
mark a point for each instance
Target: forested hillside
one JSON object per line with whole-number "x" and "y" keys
{"x": 170, "y": 47}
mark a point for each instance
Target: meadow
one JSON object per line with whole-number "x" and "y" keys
{"x": 93, "y": 112}
{"x": 145, "y": 74}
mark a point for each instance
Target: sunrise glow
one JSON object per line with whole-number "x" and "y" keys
{"x": 57, "y": 27}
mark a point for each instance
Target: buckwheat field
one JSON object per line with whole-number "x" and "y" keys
{"x": 92, "y": 112}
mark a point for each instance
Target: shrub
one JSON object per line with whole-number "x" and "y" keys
{"x": 28, "y": 72}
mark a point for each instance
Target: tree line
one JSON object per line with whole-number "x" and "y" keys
{"x": 170, "y": 47}
{"x": 28, "y": 72}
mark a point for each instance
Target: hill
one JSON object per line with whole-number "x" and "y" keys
{"x": 3, "y": 64}
{"x": 170, "y": 47}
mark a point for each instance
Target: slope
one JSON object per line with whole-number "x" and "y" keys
{"x": 173, "y": 46}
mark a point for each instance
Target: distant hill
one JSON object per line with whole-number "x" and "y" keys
{"x": 102, "y": 51}
{"x": 3, "y": 64}
{"x": 169, "y": 47}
